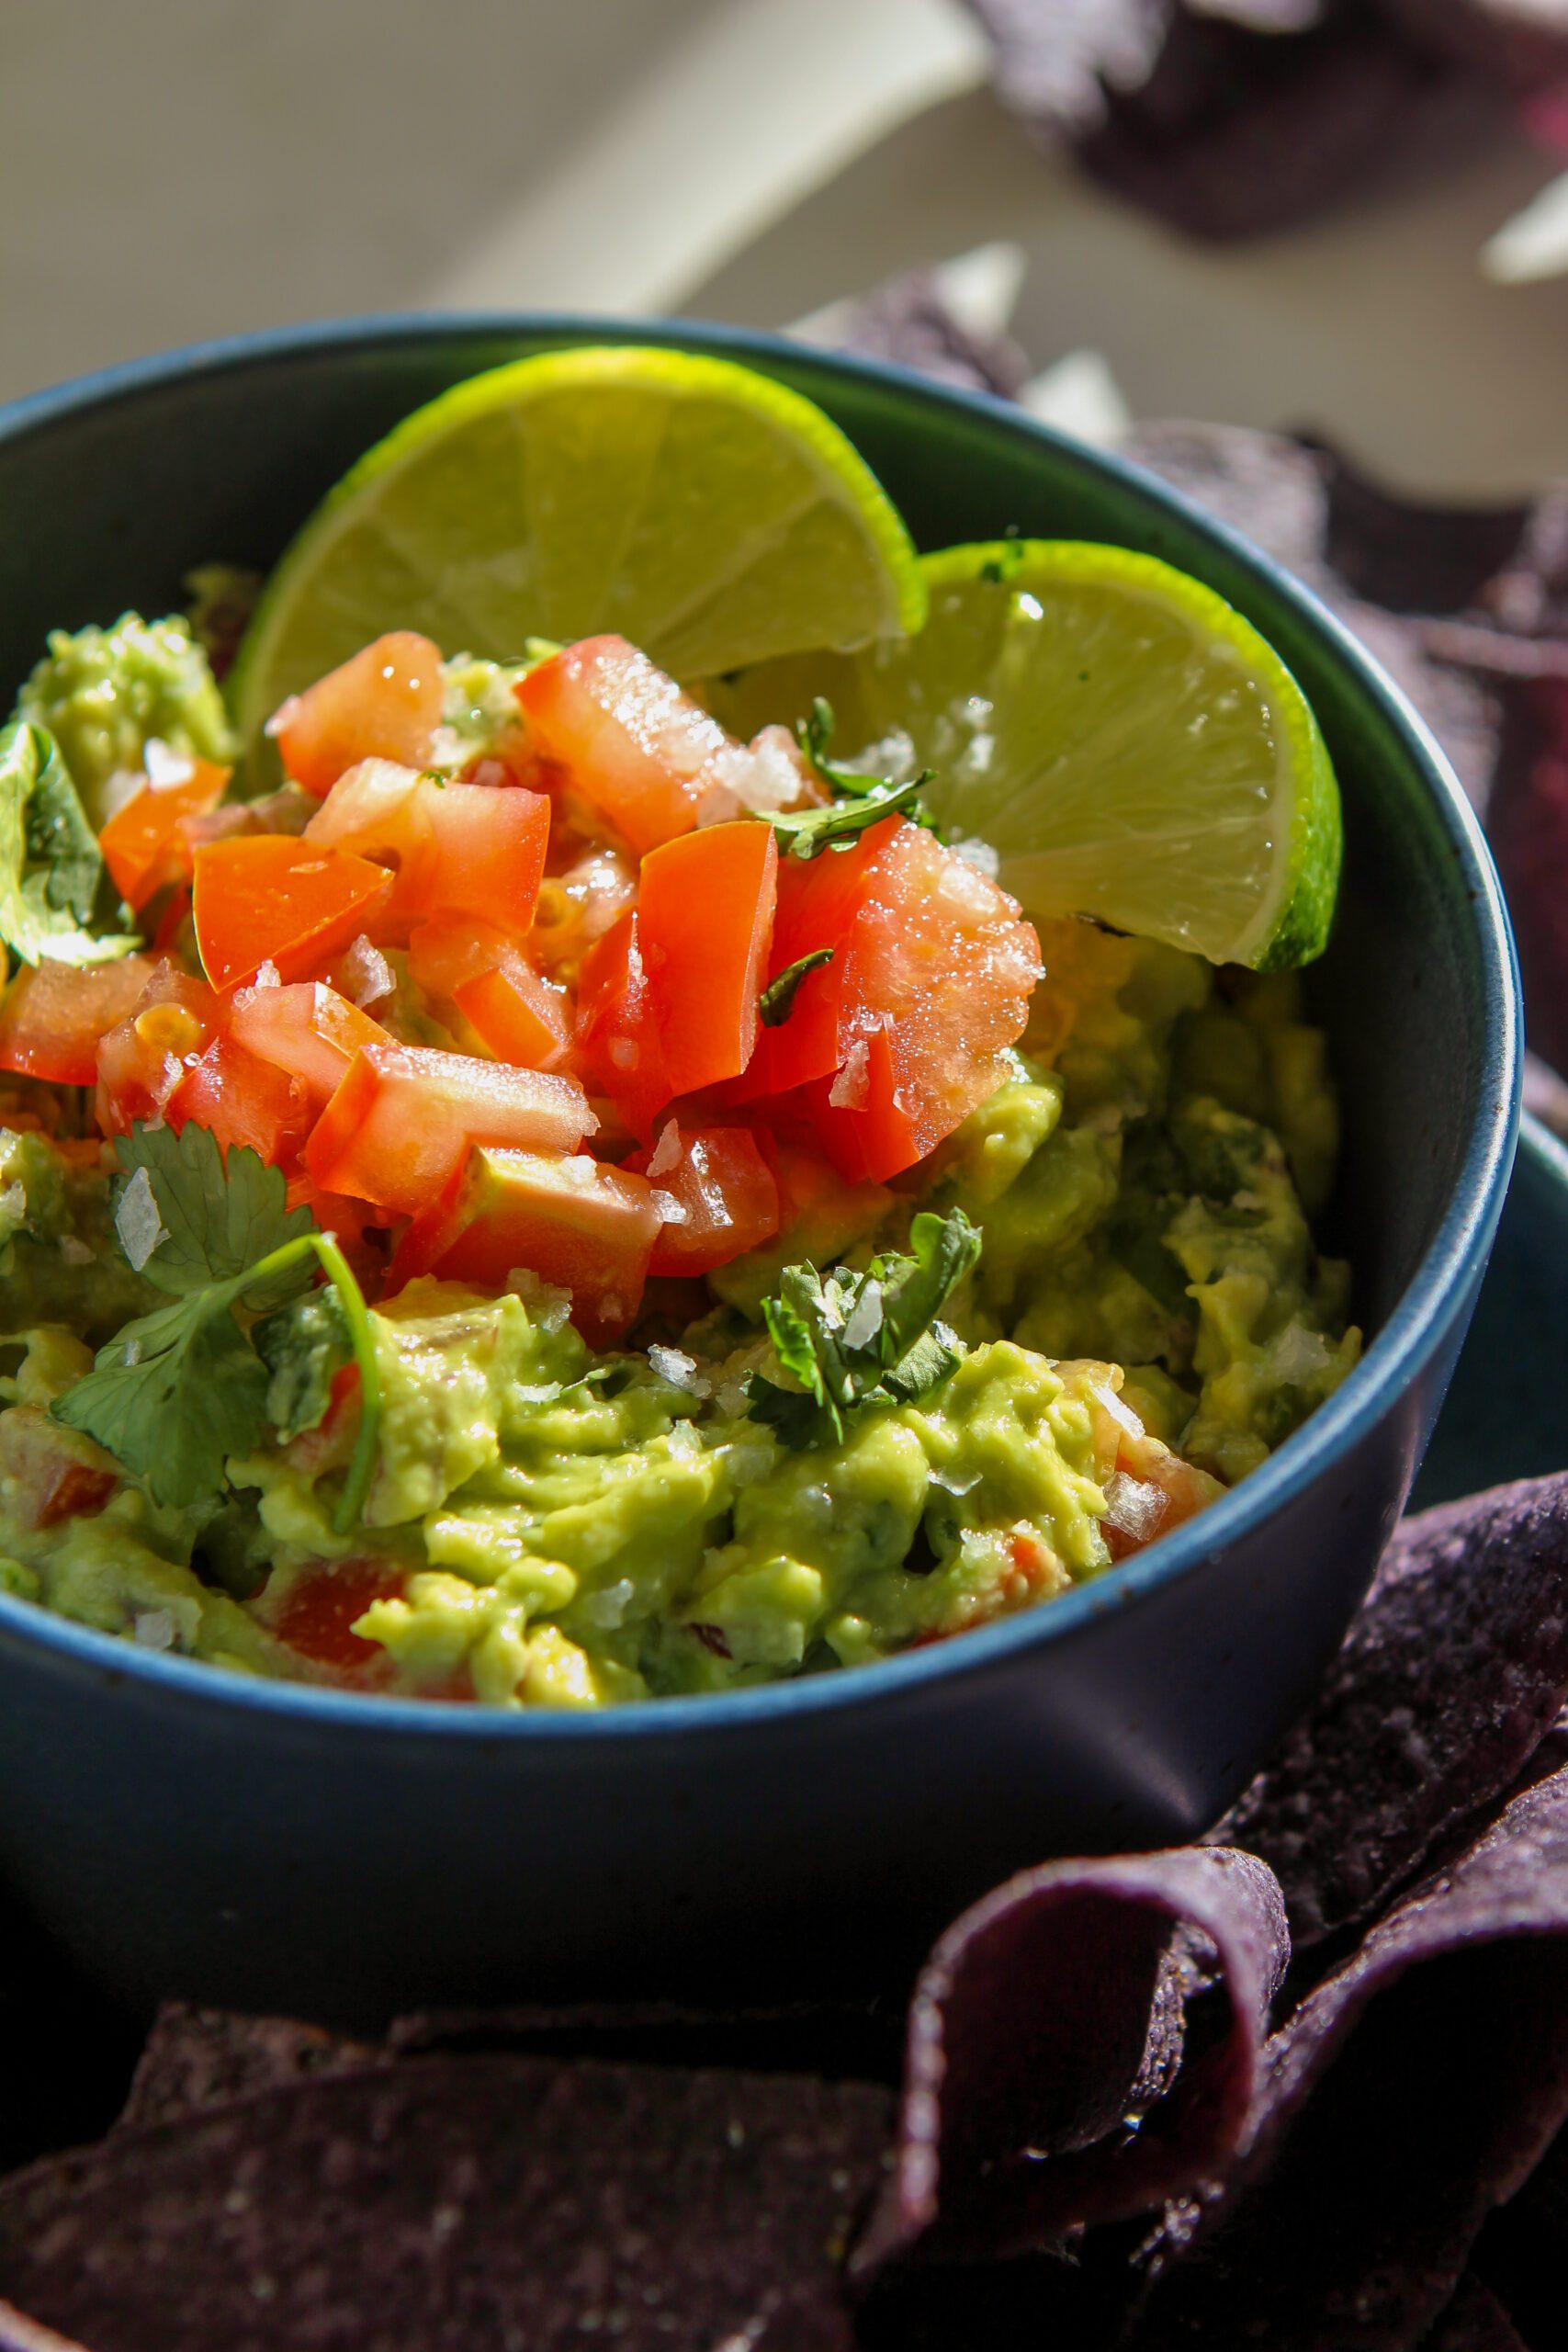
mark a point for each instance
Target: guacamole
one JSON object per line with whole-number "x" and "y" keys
{"x": 599, "y": 1304}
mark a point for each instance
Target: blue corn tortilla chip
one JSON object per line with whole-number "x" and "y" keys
{"x": 1043, "y": 2020}
{"x": 1475, "y": 2322}
{"x": 443, "y": 2204}
{"x": 1448, "y": 1680}
{"x": 1413, "y": 2091}
{"x": 198, "y": 2058}
{"x": 909, "y": 320}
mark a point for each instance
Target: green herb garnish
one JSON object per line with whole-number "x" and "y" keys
{"x": 853, "y": 1340}
{"x": 50, "y": 862}
{"x": 180, "y": 1390}
{"x": 777, "y": 1000}
{"x": 858, "y": 802}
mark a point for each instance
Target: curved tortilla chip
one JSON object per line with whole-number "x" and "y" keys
{"x": 1043, "y": 2017}
{"x": 1448, "y": 1680}
{"x": 1413, "y": 2091}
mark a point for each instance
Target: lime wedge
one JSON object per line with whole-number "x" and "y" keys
{"x": 705, "y": 511}
{"x": 1126, "y": 742}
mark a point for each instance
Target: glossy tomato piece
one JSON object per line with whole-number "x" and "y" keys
{"x": 404, "y": 1116}
{"x": 483, "y": 857}
{"x": 516, "y": 1013}
{"x": 384, "y": 704}
{"x": 895, "y": 1042}
{"x": 142, "y": 1059}
{"x": 705, "y": 928}
{"x": 287, "y": 903}
{"x": 306, "y": 1029}
{"x": 725, "y": 1191}
{"x": 323, "y": 1608}
{"x": 617, "y": 1044}
{"x": 241, "y": 1099}
{"x": 53, "y": 1015}
{"x": 635, "y": 748}
{"x": 588, "y": 1227}
{"x": 143, "y": 844}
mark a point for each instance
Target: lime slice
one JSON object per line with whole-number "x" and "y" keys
{"x": 702, "y": 511}
{"x": 1126, "y": 742}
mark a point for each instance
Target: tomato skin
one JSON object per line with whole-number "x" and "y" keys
{"x": 575, "y": 1222}
{"x": 53, "y": 1015}
{"x": 819, "y": 899}
{"x": 241, "y": 1100}
{"x": 143, "y": 1059}
{"x": 383, "y": 703}
{"x": 307, "y": 1029}
{"x": 289, "y": 903}
{"x": 705, "y": 927}
{"x": 516, "y": 1014}
{"x": 719, "y": 1178}
{"x": 143, "y": 844}
{"x": 404, "y": 1116}
{"x": 637, "y": 748}
{"x": 483, "y": 857}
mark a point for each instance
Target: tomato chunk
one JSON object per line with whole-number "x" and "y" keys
{"x": 142, "y": 1059}
{"x": 588, "y": 1227}
{"x": 241, "y": 1100}
{"x": 404, "y": 1116}
{"x": 477, "y": 849}
{"x": 512, "y": 1010}
{"x": 384, "y": 704}
{"x": 42, "y": 1465}
{"x": 307, "y": 1029}
{"x": 143, "y": 845}
{"x": 637, "y": 748}
{"x": 705, "y": 927}
{"x": 895, "y": 1041}
{"x": 319, "y": 1616}
{"x": 724, "y": 1189}
{"x": 53, "y": 1014}
{"x": 272, "y": 901}
{"x": 617, "y": 1040}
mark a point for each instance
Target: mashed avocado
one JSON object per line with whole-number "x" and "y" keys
{"x": 103, "y": 692}
{"x": 548, "y": 1526}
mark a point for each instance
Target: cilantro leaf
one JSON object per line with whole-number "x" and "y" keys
{"x": 173, "y": 1397}
{"x": 304, "y": 1347}
{"x": 50, "y": 862}
{"x": 221, "y": 1214}
{"x": 777, "y": 1000}
{"x": 178, "y": 1392}
{"x": 853, "y": 1340}
{"x": 858, "y": 802}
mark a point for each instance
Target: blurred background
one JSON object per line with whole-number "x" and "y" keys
{"x": 1306, "y": 256}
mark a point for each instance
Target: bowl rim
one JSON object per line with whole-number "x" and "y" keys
{"x": 1412, "y": 1332}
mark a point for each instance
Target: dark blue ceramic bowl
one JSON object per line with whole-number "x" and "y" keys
{"x": 188, "y": 1831}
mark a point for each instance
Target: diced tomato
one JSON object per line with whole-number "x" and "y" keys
{"x": 241, "y": 1099}
{"x": 575, "y": 1222}
{"x": 48, "y": 1480}
{"x": 518, "y": 1015}
{"x": 142, "y": 1059}
{"x": 287, "y": 903}
{"x": 318, "y": 1618}
{"x": 307, "y": 1029}
{"x": 578, "y": 904}
{"x": 724, "y": 1188}
{"x": 384, "y": 704}
{"x": 475, "y": 850}
{"x": 143, "y": 843}
{"x": 896, "y": 1041}
{"x": 617, "y": 1043}
{"x": 53, "y": 1014}
{"x": 404, "y": 1116}
{"x": 173, "y": 923}
{"x": 705, "y": 927}
{"x": 640, "y": 752}
{"x": 484, "y": 856}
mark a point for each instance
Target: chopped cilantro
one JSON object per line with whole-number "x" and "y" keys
{"x": 777, "y": 1000}
{"x": 853, "y": 1340}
